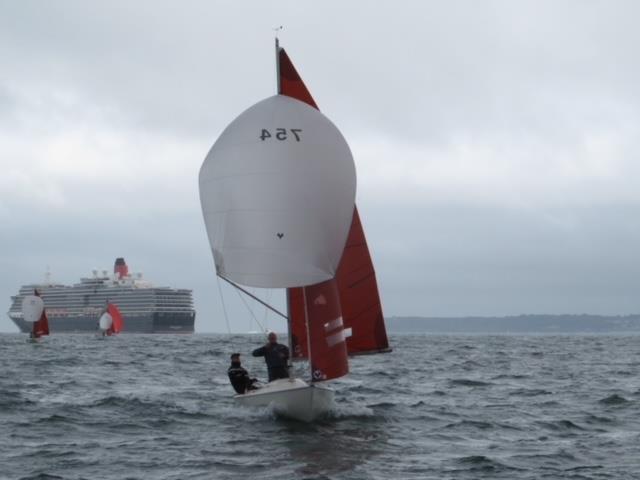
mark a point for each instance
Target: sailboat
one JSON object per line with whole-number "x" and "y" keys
{"x": 33, "y": 312}
{"x": 277, "y": 191}
{"x": 110, "y": 322}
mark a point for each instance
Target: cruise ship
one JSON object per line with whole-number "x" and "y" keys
{"x": 77, "y": 308}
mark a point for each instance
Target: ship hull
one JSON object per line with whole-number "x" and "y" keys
{"x": 157, "y": 322}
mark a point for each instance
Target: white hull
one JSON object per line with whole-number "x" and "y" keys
{"x": 292, "y": 398}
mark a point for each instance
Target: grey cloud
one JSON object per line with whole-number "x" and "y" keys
{"x": 527, "y": 88}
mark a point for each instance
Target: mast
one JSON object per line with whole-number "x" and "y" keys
{"x": 279, "y": 92}
{"x": 306, "y": 321}
{"x": 278, "y": 84}
{"x": 289, "y": 330}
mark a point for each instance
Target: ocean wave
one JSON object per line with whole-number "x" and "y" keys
{"x": 529, "y": 392}
{"x": 42, "y": 476}
{"x": 471, "y": 364}
{"x": 439, "y": 393}
{"x": 130, "y": 401}
{"x": 10, "y": 399}
{"x": 598, "y": 419}
{"x": 511, "y": 376}
{"x": 160, "y": 411}
{"x": 558, "y": 458}
{"x": 55, "y": 418}
{"x": 560, "y": 425}
{"x": 363, "y": 389}
{"x": 474, "y": 460}
{"x": 382, "y": 405}
{"x": 482, "y": 463}
{"x": 466, "y": 382}
{"x": 470, "y": 424}
{"x": 614, "y": 399}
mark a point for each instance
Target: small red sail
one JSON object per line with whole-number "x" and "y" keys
{"x": 290, "y": 83}
{"x": 326, "y": 333}
{"x": 117, "y": 322}
{"x": 357, "y": 286}
{"x": 41, "y": 327}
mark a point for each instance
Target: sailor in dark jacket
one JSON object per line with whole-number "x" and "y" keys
{"x": 276, "y": 356}
{"x": 239, "y": 376}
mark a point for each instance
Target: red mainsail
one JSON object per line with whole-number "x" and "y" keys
{"x": 328, "y": 350}
{"x": 356, "y": 281}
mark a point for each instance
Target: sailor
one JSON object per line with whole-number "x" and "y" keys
{"x": 239, "y": 376}
{"x": 276, "y": 357}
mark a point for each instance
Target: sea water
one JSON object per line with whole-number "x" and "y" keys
{"x": 441, "y": 407}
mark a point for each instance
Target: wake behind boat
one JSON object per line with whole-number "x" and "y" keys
{"x": 277, "y": 191}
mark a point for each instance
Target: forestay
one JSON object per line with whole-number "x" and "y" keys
{"x": 277, "y": 191}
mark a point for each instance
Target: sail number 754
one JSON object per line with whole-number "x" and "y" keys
{"x": 281, "y": 134}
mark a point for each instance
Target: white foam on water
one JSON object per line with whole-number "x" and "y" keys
{"x": 341, "y": 410}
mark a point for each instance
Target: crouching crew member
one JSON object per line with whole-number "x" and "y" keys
{"x": 239, "y": 376}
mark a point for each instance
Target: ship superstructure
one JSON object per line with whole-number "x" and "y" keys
{"x": 77, "y": 308}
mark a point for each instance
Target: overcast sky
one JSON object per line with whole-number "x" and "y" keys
{"x": 496, "y": 143}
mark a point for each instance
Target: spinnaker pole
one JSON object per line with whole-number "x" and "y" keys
{"x": 274, "y": 310}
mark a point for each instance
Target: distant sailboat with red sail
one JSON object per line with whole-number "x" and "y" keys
{"x": 277, "y": 191}
{"x": 33, "y": 311}
{"x": 110, "y": 322}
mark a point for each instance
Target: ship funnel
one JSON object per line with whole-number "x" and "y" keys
{"x": 120, "y": 268}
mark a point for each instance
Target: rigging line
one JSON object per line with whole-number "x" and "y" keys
{"x": 254, "y": 323}
{"x": 250, "y": 311}
{"x": 266, "y": 312}
{"x": 254, "y": 297}
{"x": 224, "y": 308}
{"x": 253, "y": 314}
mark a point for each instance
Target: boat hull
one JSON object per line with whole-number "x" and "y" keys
{"x": 291, "y": 398}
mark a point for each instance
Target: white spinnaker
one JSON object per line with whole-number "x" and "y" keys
{"x": 32, "y": 308}
{"x": 105, "y": 321}
{"x": 278, "y": 208}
